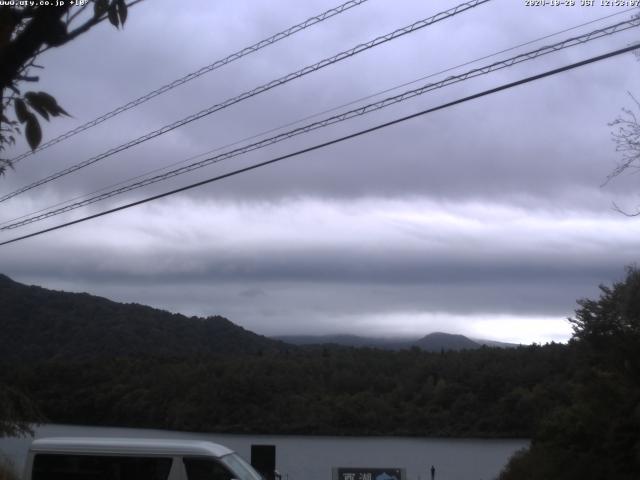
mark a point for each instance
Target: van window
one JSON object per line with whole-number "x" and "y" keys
{"x": 206, "y": 469}
{"x": 240, "y": 467}
{"x": 98, "y": 467}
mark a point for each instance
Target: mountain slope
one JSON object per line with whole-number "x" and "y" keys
{"x": 345, "y": 341}
{"x": 437, "y": 341}
{"x": 41, "y": 324}
{"x": 433, "y": 342}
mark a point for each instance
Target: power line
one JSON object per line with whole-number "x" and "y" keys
{"x": 570, "y": 42}
{"x": 317, "y": 114}
{"x": 506, "y": 86}
{"x": 431, "y": 75}
{"x": 198, "y": 73}
{"x": 263, "y": 88}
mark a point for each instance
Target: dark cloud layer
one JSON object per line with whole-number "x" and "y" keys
{"x": 494, "y": 207}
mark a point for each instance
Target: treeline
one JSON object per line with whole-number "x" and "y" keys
{"x": 489, "y": 392}
{"x": 580, "y": 403}
{"x": 38, "y": 324}
{"x": 87, "y": 360}
{"x": 596, "y": 435}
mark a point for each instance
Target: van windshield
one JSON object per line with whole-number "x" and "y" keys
{"x": 239, "y": 467}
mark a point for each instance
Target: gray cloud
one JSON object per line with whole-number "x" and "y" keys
{"x": 308, "y": 264}
{"x": 491, "y": 208}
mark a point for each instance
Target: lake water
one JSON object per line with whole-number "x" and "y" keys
{"x": 311, "y": 457}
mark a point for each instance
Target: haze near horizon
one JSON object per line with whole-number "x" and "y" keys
{"x": 487, "y": 219}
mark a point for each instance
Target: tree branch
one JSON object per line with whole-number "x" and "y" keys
{"x": 92, "y": 23}
{"x": 625, "y": 213}
{"x": 78, "y": 12}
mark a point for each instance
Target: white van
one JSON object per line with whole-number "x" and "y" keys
{"x": 133, "y": 459}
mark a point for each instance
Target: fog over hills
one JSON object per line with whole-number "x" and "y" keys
{"x": 433, "y": 342}
{"x": 40, "y": 324}
{"x": 89, "y": 360}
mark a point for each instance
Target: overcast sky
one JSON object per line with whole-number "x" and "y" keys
{"x": 487, "y": 219}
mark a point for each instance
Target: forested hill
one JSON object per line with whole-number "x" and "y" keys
{"x": 445, "y": 341}
{"x": 88, "y": 360}
{"x": 40, "y": 324}
{"x": 433, "y": 342}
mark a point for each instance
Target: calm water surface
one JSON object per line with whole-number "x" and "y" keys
{"x": 311, "y": 457}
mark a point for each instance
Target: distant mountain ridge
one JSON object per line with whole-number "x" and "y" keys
{"x": 40, "y": 324}
{"x": 433, "y": 342}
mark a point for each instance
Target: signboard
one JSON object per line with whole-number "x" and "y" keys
{"x": 352, "y": 473}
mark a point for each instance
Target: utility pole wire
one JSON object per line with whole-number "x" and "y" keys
{"x": 193, "y": 75}
{"x": 484, "y": 93}
{"x": 363, "y": 110}
{"x": 256, "y": 91}
{"x": 309, "y": 117}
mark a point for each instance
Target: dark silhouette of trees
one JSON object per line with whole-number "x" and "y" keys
{"x": 578, "y": 402}
{"x": 87, "y": 360}
{"x": 626, "y": 136}
{"x": 597, "y": 434}
{"x": 17, "y": 412}
{"x": 25, "y": 33}
{"x": 353, "y": 391}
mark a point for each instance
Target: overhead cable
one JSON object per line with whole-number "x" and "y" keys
{"x": 314, "y": 115}
{"x": 198, "y": 73}
{"x": 258, "y": 90}
{"x": 582, "y": 39}
{"x": 484, "y": 93}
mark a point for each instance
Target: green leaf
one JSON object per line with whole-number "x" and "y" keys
{"x": 33, "y": 131}
{"x": 56, "y": 33}
{"x": 113, "y": 15}
{"x": 22, "y": 112}
{"x": 43, "y": 101}
{"x": 32, "y": 98}
{"x": 122, "y": 11}
{"x": 99, "y": 7}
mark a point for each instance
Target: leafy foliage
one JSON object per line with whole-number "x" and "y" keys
{"x": 40, "y": 324}
{"x": 596, "y": 435}
{"x": 85, "y": 359}
{"x": 110, "y": 364}
{"x": 27, "y": 30}
{"x": 626, "y": 136}
{"x": 16, "y": 413}
{"x": 488, "y": 392}
{"x": 7, "y": 469}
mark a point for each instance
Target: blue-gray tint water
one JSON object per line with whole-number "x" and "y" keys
{"x": 311, "y": 457}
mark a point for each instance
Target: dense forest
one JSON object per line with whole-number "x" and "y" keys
{"x": 85, "y": 360}
{"x": 432, "y": 342}
{"x": 596, "y": 435}
{"x": 39, "y": 324}
{"x": 485, "y": 392}
{"x": 88, "y": 360}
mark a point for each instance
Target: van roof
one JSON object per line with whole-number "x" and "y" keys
{"x": 120, "y": 446}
